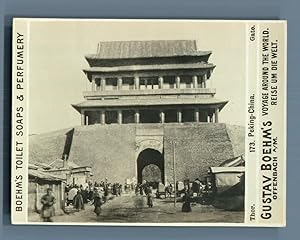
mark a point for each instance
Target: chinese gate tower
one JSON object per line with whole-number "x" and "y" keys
{"x": 149, "y": 82}
{"x": 143, "y": 96}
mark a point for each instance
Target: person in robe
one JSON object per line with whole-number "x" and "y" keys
{"x": 98, "y": 202}
{"x": 149, "y": 197}
{"x": 71, "y": 195}
{"x": 78, "y": 201}
{"x": 48, "y": 210}
{"x": 85, "y": 194}
{"x": 186, "y": 206}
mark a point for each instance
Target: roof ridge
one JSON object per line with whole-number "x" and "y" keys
{"x": 148, "y": 48}
{"x": 155, "y": 40}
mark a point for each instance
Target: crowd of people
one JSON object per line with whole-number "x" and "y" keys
{"x": 98, "y": 194}
{"x": 145, "y": 189}
{"x": 188, "y": 191}
{"x": 93, "y": 193}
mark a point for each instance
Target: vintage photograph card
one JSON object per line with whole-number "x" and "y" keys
{"x": 149, "y": 122}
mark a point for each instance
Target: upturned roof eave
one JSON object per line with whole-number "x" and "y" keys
{"x": 84, "y": 105}
{"x": 76, "y": 107}
{"x": 136, "y": 68}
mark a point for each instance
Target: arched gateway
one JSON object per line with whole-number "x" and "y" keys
{"x": 150, "y": 166}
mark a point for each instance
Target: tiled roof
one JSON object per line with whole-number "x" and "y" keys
{"x": 59, "y": 163}
{"x": 41, "y": 165}
{"x": 233, "y": 162}
{"x": 145, "y": 49}
{"x": 43, "y": 175}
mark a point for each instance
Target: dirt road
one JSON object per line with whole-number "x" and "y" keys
{"x": 131, "y": 208}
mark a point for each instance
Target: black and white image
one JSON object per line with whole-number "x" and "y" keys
{"x": 136, "y": 122}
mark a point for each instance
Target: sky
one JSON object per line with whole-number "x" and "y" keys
{"x": 56, "y": 60}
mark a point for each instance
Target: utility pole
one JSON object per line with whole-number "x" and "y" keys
{"x": 174, "y": 173}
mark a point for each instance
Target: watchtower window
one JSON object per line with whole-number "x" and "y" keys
{"x": 188, "y": 115}
{"x": 170, "y": 116}
{"x": 149, "y": 83}
{"x": 128, "y": 83}
{"x": 111, "y": 117}
{"x": 169, "y": 82}
{"x": 149, "y": 116}
{"x": 186, "y": 82}
{"x": 128, "y": 116}
{"x": 111, "y": 84}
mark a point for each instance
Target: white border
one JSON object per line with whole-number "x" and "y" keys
{"x": 28, "y": 20}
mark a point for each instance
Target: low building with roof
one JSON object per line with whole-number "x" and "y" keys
{"x": 38, "y": 183}
{"x": 73, "y": 173}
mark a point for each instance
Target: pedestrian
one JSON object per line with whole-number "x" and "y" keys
{"x": 141, "y": 190}
{"x": 48, "y": 210}
{"x": 120, "y": 189}
{"x": 71, "y": 195}
{"x": 169, "y": 190}
{"x": 85, "y": 194}
{"x": 97, "y": 203}
{"x": 149, "y": 197}
{"x": 78, "y": 201}
{"x": 114, "y": 189}
{"x": 91, "y": 194}
{"x": 137, "y": 190}
{"x": 186, "y": 206}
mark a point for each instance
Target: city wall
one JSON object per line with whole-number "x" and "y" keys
{"x": 112, "y": 150}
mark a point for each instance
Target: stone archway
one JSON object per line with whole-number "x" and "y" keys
{"x": 150, "y": 166}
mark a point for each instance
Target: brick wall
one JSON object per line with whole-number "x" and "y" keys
{"x": 111, "y": 150}
{"x": 197, "y": 148}
{"x": 47, "y": 147}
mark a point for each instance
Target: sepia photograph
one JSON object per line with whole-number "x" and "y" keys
{"x": 136, "y": 122}
{"x": 147, "y": 141}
